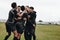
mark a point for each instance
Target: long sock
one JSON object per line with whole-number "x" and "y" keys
{"x": 19, "y": 39}
{"x": 34, "y": 37}
{"x": 15, "y": 38}
{"x": 6, "y": 37}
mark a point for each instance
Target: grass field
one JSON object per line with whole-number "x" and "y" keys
{"x": 43, "y": 32}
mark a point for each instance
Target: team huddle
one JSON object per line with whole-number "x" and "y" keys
{"x": 21, "y": 20}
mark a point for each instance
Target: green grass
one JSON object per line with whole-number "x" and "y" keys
{"x": 43, "y": 32}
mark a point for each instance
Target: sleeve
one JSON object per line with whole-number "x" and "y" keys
{"x": 10, "y": 16}
{"x": 15, "y": 12}
{"x": 33, "y": 17}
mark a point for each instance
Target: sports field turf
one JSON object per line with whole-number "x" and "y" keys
{"x": 43, "y": 32}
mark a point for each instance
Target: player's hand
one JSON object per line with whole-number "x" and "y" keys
{"x": 25, "y": 19}
{"x": 34, "y": 25}
{"x": 28, "y": 16}
{"x": 19, "y": 17}
{"x": 16, "y": 19}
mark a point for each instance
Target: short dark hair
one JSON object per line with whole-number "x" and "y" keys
{"x": 32, "y": 8}
{"x": 13, "y": 5}
{"x": 22, "y": 8}
{"x": 19, "y": 6}
{"x": 27, "y": 6}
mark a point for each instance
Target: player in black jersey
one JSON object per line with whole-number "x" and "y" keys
{"x": 27, "y": 33}
{"x": 33, "y": 18}
{"x": 10, "y": 22}
{"x": 30, "y": 25}
{"x": 20, "y": 20}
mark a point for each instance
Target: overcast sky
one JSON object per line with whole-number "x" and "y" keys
{"x": 47, "y": 10}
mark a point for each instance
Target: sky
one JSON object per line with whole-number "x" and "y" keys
{"x": 47, "y": 10}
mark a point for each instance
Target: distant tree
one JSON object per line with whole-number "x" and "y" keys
{"x": 40, "y": 21}
{"x": 49, "y": 23}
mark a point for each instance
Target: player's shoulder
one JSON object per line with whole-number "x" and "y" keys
{"x": 34, "y": 11}
{"x": 11, "y": 11}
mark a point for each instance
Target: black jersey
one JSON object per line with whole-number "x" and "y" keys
{"x": 31, "y": 20}
{"x": 10, "y": 26}
{"x": 11, "y": 17}
{"x": 33, "y": 17}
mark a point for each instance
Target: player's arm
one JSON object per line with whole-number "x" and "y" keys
{"x": 33, "y": 19}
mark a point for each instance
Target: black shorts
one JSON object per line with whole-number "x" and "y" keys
{"x": 10, "y": 27}
{"x": 19, "y": 27}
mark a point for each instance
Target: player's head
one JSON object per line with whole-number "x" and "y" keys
{"x": 14, "y": 5}
{"x": 32, "y": 8}
{"x": 27, "y": 8}
{"x": 19, "y": 8}
{"x": 22, "y": 8}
